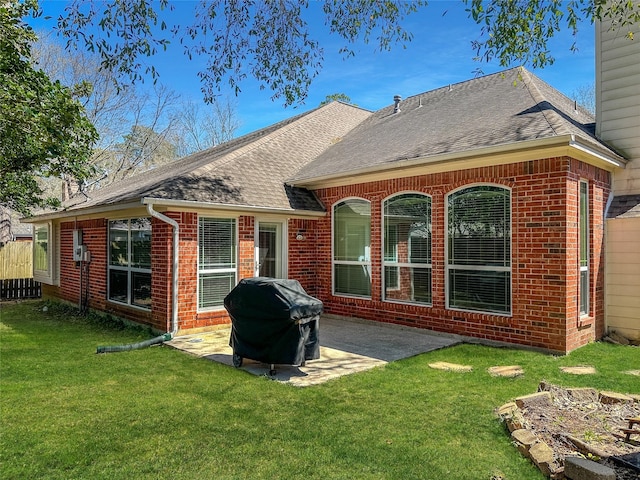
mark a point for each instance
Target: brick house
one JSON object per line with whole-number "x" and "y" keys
{"x": 477, "y": 209}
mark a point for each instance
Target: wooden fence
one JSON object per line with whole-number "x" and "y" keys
{"x": 16, "y": 260}
{"x": 16, "y": 275}
{"x": 18, "y": 288}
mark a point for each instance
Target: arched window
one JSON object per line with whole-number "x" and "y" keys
{"x": 479, "y": 249}
{"x": 407, "y": 248}
{"x": 351, "y": 247}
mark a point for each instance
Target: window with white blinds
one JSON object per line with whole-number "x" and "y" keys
{"x": 41, "y": 248}
{"x": 351, "y": 248}
{"x": 217, "y": 265}
{"x": 584, "y": 248}
{"x": 479, "y": 249}
{"x": 129, "y": 275}
{"x": 407, "y": 248}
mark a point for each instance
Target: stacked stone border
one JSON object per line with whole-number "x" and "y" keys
{"x": 536, "y": 449}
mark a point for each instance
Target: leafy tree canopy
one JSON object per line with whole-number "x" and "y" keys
{"x": 43, "y": 130}
{"x": 271, "y": 40}
{"x": 340, "y": 97}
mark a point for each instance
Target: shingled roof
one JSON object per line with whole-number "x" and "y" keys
{"x": 625, "y": 206}
{"x": 269, "y": 168}
{"x": 499, "y": 109}
{"x": 249, "y": 171}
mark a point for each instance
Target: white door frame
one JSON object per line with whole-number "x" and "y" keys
{"x": 283, "y": 231}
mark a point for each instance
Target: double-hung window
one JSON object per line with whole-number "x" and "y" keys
{"x": 129, "y": 277}
{"x": 479, "y": 249}
{"x": 584, "y": 248}
{"x": 217, "y": 265}
{"x": 407, "y": 248}
{"x": 351, "y": 248}
{"x": 43, "y": 253}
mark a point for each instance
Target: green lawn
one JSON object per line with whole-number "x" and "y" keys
{"x": 157, "y": 413}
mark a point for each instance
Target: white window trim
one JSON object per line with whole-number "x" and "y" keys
{"x": 389, "y": 263}
{"x": 366, "y": 264}
{"x": 448, "y": 267}
{"x": 51, "y": 275}
{"x": 399, "y": 265}
{"x": 587, "y": 267}
{"x": 216, "y": 270}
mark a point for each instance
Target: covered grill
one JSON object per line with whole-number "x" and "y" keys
{"x": 273, "y": 321}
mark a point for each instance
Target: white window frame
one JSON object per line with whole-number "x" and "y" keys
{"x": 584, "y": 304}
{"x": 409, "y": 264}
{"x": 478, "y": 268}
{"x": 50, "y": 275}
{"x": 129, "y": 269}
{"x": 391, "y": 261}
{"x": 365, "y": 263}
{"x": 206, "y": 271}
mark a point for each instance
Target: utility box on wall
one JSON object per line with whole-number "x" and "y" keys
{"x": 78, "y": 248}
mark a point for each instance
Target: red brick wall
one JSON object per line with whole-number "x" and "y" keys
{"x": 545, "y": 276}
{"x": 94, "y": 236}
{"x": 303, "y": 265}
{"x": 544, "y": 254}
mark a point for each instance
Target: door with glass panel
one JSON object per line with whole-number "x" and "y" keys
{"x": 269, "y": 257}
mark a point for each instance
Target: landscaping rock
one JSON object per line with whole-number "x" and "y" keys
{"x": 581, "y": 370}
{"x": 506, "y": 371}
{"x": 451, "y": 367}
{"x": 614, "y": 397}
{"x": 506, "y": 410}
{"x": 524, "y": 436}
{"x": 540, "y": 398}
{"x": 577, "y": 468}
{"x": 542, "y": 456}
{"x": 583, "y": 394}
{"x": 516, "y": 422}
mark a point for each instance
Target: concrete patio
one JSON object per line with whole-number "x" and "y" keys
{"x": 346, "y": 346}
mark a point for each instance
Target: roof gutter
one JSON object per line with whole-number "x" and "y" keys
{"x": 567, "y": 141}
{"x": 231, "y": 207}
{"x": 80, "y": 211}
{"x": 173, "y": 203}
{"x": 174, "y": 270}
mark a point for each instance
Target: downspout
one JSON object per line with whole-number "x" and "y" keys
{"x": 174, "y": 293}
{"x": 606, "y": 263}
{"x": 174, "y": 270}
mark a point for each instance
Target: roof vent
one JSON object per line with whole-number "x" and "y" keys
{"x": 396, "y": 99}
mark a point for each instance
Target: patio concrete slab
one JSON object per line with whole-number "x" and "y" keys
{"x": 346, "y": 346}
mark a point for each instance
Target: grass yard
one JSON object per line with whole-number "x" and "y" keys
{"x": 158, "y": 413}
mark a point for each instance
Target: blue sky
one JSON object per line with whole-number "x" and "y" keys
{"x": 439, "y": 54}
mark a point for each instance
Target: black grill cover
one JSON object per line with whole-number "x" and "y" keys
{"x": 274, "y": 321}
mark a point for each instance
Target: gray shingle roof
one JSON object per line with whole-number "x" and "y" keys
{"x": 503, "y": 108}
{"x": 247, "y": 171}
{"x": 262, "y": 169}
{"x": 624, "y": 206}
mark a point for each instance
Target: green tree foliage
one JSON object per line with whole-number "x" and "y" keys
{"x": 340, "y": 97}
{"x": 268, "y": 40}
{"x": 43, "y": 130}
{"x": 271, "y": 40}
{"x": 518, "y": 31}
